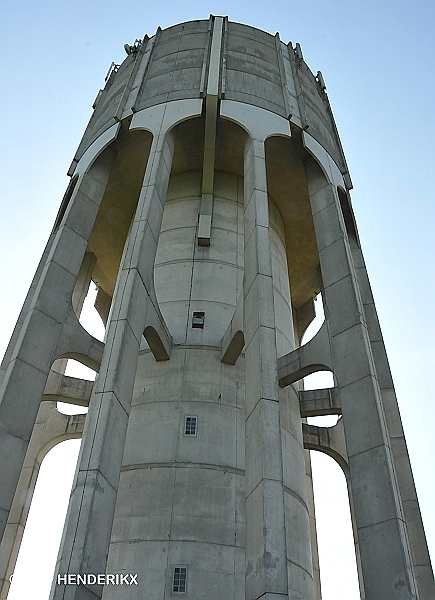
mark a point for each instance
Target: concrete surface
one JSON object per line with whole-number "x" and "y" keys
{"x": 210, "y": 179}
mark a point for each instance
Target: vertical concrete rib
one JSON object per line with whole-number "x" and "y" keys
{"x": 417, "y": 538}
{"x": 86, "y": 536}
{"x": 25, "y": 309}
{"x": 211, "y": 110}
{"x": 266, "y": 570}
{"x": 265, "y": 519}
{"x": 50, "y": 424}
{"x": 48, "y": 330}
{"x": 384, "y": 545}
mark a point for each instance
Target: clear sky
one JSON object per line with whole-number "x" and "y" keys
{"x": 377, "y": 59}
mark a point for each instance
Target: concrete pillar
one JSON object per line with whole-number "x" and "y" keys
{"x": 384, "y": 545}
{"x": 50, "y": 330}
{"x": 355, "y": 536}
{"x": 266, "y": 551}
{"x": 81, "y": 289}
{"x": 86, "y": 536}
{"x": 25, "y": 309}
{"x": 50, "y": 428}
{"x": 417, "y": 538}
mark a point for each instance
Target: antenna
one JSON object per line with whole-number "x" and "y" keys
{"x": 321, "y": 81}
{"x": 133, "y": 49}
{"x": 298, "y": 53}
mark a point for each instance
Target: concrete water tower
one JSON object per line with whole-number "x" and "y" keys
{"x": 209, "y": 202}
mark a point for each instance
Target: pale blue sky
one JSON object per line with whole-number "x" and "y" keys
{"x": 377, "y": 59}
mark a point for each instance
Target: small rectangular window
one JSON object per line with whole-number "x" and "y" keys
{"x": 179, "y": 583}
{"x": 198, "y": 320}
{"x": 190, "y": 425}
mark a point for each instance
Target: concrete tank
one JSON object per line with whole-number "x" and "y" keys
{"x": 209, "y": 201}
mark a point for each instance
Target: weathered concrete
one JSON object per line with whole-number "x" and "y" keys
{"x": 209, "y": 203}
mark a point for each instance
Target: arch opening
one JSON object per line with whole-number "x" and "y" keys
{"x": 38, "y": 547}
{"x": 116, "y": 212}
{"x": 69, "y": 378}
{"x": 320, "y": 379}
{"x": 189, "y": 270}
{"x": 287, "y": 187}
{"x": 130, "y": 153}
{"x": 338, "y": 567}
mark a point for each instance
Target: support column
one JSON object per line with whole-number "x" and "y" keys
{"x": 266, "y": 552}
{"x": 417, "y": 538}
{"x": 50, "y": 425}
{"x": 81, "y": 289}
{"x": 86, "y": 536}
{"x": 385, "y": 552}
{"x": 50, "y": 329}
{"x": 25, "y": 309}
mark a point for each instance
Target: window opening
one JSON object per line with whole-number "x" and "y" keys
{"x": 190, "y": 425}
{"x": 180, "y": 580}
{"x": 198, "y": 320}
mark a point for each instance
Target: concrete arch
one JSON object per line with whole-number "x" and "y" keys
{"x": 258, "y": 123}
{"x": 162, "y": 118}
{"x": 117, "y": 207}
{"x": 323, "y": 158}
{"x": 52, "y": 428}
{"x": 331, "y": 441}
{"x": 70, "y": 435}
{"x": 95, "y": 149}
{"x": 66, "y": 200}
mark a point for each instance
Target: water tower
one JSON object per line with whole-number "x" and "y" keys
{"x": 209, "y": 202}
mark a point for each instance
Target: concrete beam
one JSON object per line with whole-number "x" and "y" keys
{"x": 61, "y": 388}
{"x": 329, "y": 440}
{"x": 233, "y": 340}
{"x": 314, "y": 403}
{"x": 314, "y": 356}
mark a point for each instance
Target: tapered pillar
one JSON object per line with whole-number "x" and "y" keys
{"x": 419, "y": 550}
{"x": 266, "y": 571}
{"x": 51, "y": 427}
{"x": 383, "y": 540}
{"x": 266, "y": 542}
{"x": 50, "y": 329}
{"x": 86, "y": 536}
